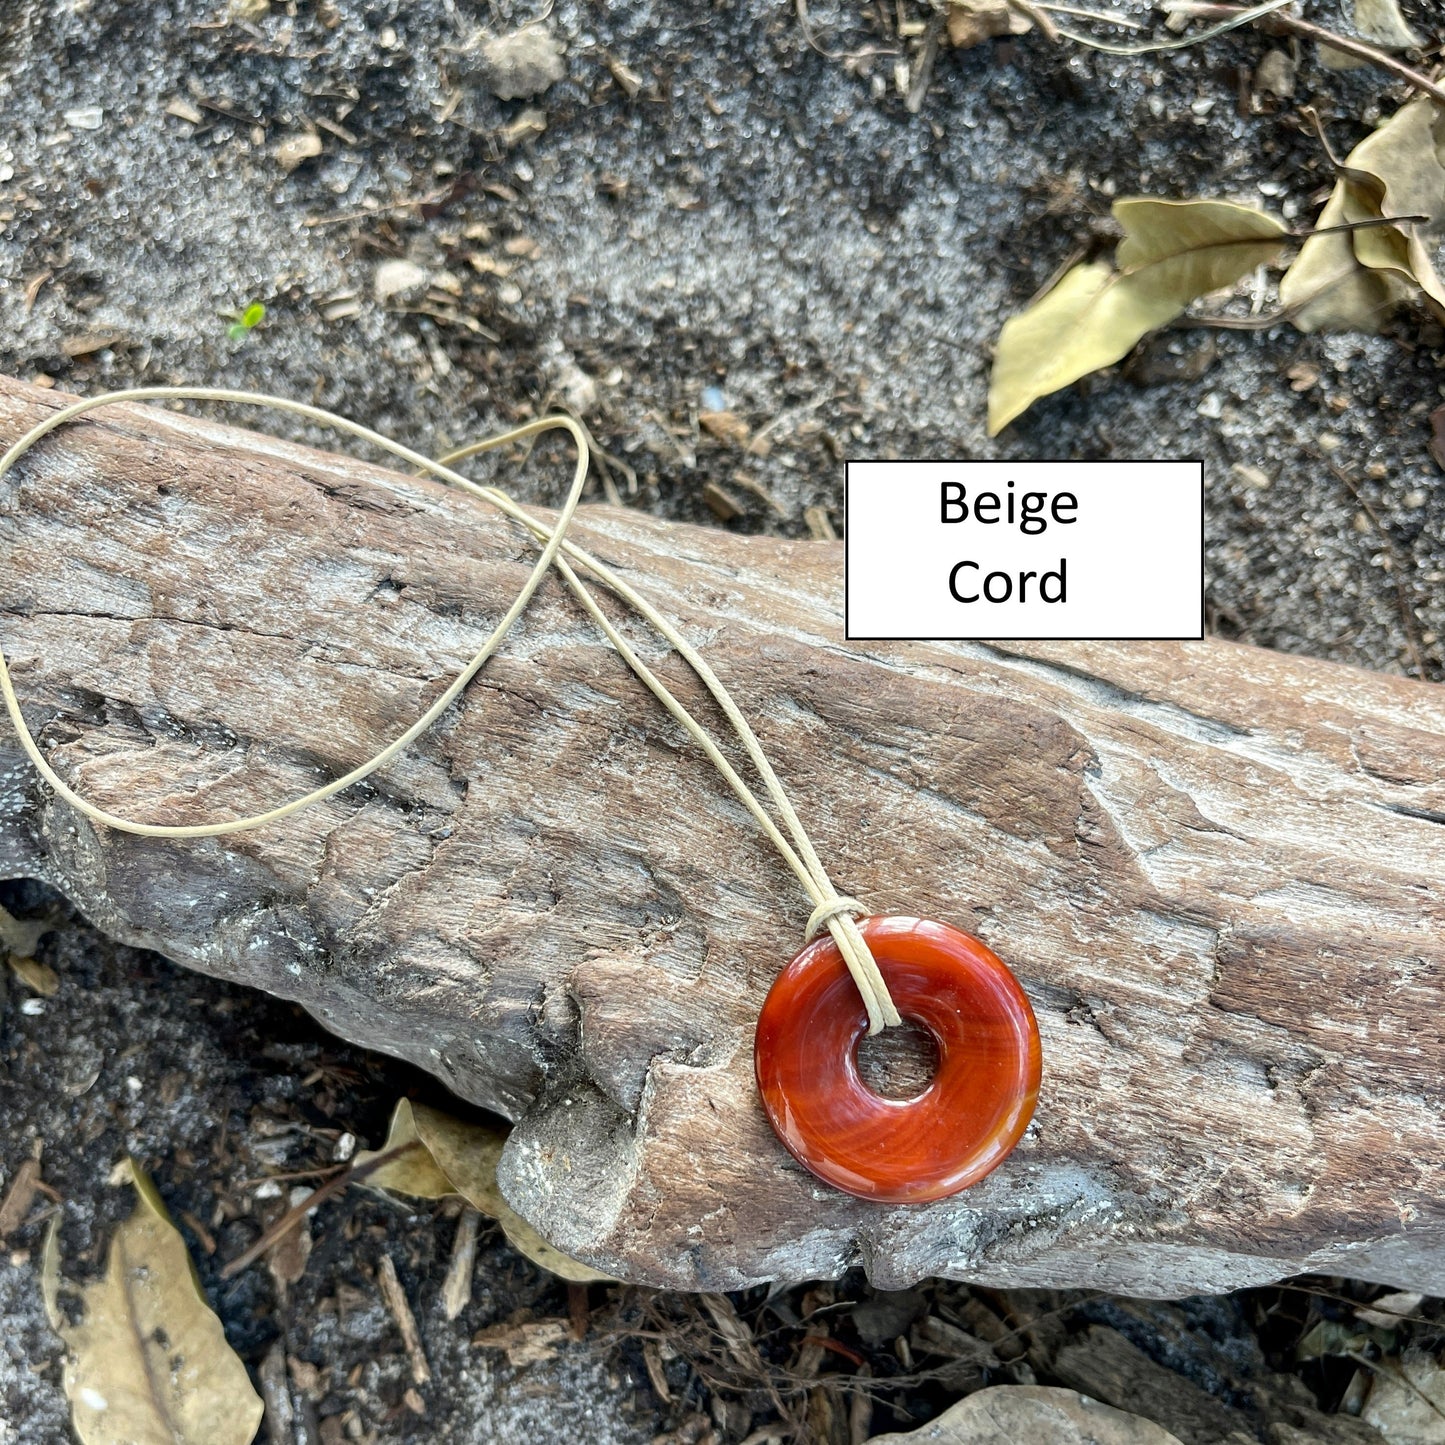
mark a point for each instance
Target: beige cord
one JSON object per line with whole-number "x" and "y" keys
{"x": 831, "y": 910}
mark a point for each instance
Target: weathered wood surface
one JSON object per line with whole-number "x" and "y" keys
{"x": 1217, "y": 870}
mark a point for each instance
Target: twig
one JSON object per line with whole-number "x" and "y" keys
{"x": 1407, "y": 617}
{"x": 294, "y": 1216}
{"x": 1282, "y": 20}
{"x": 801, "y": 6}
{"x": 365, "y": 215}
{"x": 1306, "y": 232}
{"x": 919, "y": 89}
{"x": 396, "y": 1302}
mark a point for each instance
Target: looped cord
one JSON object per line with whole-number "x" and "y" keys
{"x": 830, "y": 910}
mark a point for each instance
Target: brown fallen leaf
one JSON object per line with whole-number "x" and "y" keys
{"x": 458, "y": 1158}
{"x": 1172, "y": 253}
{"x": 1004, "y": 1414}
{"x": 149, "y": 1363}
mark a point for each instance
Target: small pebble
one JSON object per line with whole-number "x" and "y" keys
{"x": 391, "y": 278}
{"x": 523, "y": 64}
{"x": 1251, "y": 476}
{"x": 87, "y": 117}
{"x": 712, "y": 399}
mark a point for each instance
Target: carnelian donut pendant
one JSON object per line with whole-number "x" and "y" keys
{"x": 900, "y": 1151}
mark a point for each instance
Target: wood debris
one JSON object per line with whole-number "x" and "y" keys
{"x": 726, "y": 426}
{"x": 400, "y": 1309}
{"x": 526, "y": 1342}
{"x": 457, "y": 1287}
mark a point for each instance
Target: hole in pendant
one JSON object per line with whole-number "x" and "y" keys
{"x": 898, "y": 1063}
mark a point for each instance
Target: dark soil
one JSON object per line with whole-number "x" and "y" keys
{"x": 759, "y": 226}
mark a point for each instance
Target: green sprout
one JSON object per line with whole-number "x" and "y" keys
{"x": 245, "y": 322}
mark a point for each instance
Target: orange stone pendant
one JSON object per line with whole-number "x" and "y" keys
{"x": 900, "y": 1151}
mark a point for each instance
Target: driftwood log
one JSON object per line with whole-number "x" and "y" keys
{"x": 1217, "y": 870}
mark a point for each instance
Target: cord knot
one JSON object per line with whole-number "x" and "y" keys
{"x": 839, "y": 906}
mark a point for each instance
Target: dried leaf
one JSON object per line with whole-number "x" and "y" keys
{"x": 457, "y": 1158}
{"x": 1327, "y": 288}
{"x": 971, "y": 22}
{"x": 1407, "y": 1401}
{"x": 20, "y": 935}
{"x": 1172, "y": 253}
{"x": 1381, "y": 23}
{"x": 1032, "y": 1413}
{"x": 1390, "y": 1310}
{"x": 527, "y": 1343}
{"x": 1352, "y": 280}
{"x": 36, "y": 976}
{"x": 15, "y": 1207}
{"x": 149, "y": 1363}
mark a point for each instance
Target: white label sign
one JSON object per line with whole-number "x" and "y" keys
{"x": 1042, "y": 550}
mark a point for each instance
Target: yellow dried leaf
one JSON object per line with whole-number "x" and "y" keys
{"x": 1033, "y": 1413}
{"x": 1381, "y": 22}
{"x": 414, "y": 1172}
{"x": 1352, "y": 280}
{"x": 20, "y": 935}
{"x": 1327, "y": 288}
{"x": 149, "y": 1363}
{"x": 458, "y": 1158}
{"x": 36, "y": 976}
{"x": 1172, "y": 253}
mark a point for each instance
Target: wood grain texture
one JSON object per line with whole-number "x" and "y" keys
{"x": 1216, "y": 870}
